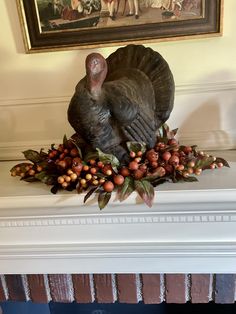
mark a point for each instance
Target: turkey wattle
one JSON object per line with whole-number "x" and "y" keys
{"x": 125, "y": 97}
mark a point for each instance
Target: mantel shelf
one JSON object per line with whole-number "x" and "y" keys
{"x": 190, "y": 228}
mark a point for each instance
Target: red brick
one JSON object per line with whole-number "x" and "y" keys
{"x": 15, "y": 288}
{"x": 151, "y": 288}
{"x": 175, "y": 288}
{"x": 37, "y": 288}
{"x": 127, "y": 289}
{"x": 82, "y": 289}
{"x": 60, "y": 288}
{"x": 200, "y": 288}
{"x": 103, "y": 288}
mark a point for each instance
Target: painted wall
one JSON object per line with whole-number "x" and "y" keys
{"x": 35, "y": 88}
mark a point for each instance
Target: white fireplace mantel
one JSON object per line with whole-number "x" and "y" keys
{"x": 191, "y": 228}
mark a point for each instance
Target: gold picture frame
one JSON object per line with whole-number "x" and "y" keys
{"x": 46, "y": 27}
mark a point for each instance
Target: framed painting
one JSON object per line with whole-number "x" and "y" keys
{"x": 67, "y": 24}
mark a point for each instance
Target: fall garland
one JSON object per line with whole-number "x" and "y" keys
{"x": 70, "y": 166}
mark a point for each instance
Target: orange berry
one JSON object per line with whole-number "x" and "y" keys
{"x": 93, "y": 170}
{"x": 140, "y": 153}
{"x": 92, "y": 162}
{"x": 124, "y": 172}
{"x": 166, "y": 156}
{"x": 133, "y": 165}
{"x": 108, "y": 186}
{"x": 118, "y": 179}
{"x": 74, "y": 152}
{"x": 85, "y": 167}
{"x": 31, "y": 172}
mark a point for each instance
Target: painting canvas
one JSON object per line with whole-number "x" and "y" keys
{"x": 49, "y": 24}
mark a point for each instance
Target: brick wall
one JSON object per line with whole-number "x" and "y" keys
{"x": 124, "y": 288}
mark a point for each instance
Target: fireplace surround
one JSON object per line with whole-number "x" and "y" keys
{"x": 53, "y": 247}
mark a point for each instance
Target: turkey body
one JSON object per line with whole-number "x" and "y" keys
{"x": 126, "y": 97}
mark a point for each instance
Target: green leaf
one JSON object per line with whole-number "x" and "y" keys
{"x": 44, "y": 177}
{"x": 223, "y": 161}
{"x": 126, "y": 189}
{"x": 90, "y": 193}
{"x": 103, "y": 199}
{"x": 65, "y": 140}
{"x": 189, "y": 179}
{"x": 33, "y": 156}
{"x": 29, "y": 179}
{"x": 136, "y": 147}
{"x": 108, "y": 159}
{"x": 91, "y": 155}
{"x": 145, "y": 190}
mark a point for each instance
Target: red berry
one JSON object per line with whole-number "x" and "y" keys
{"x": 105, "y": 168}
{"x": 74, "y": 152}
{"x": 174, "y": 160}
{"x": 118, "y": 179}
{"x": 132, "y": 154}
{"x": 100, "y": 164}
{"x": 124, "y": 172}
{"x": 108, "y": 186}
{"x": 140, "y": 153}
{"x": 143, "y": 168}
{"x": 92, "y": 162}
{"x": 62, "y": 164}
{"x": 93, "y": 170}
{"x": 138, "y": 174}
{"x": 160, "y": 171}
{"x": 166, "y": 156}
{"x": 187, "y": 149}
{"x": 86, "y": 168}
{"x": 77, "y": 169}
{"x": 154, "y": 164}
{"x": 172, "y": 141}
{"x": 133, "y": 165}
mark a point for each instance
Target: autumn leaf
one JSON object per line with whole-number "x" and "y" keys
{"x": 90, "y": 193}
{"x": 126, "y": 189}
{"x": 33, "y": 156}
{"x": 103, "y": 199}
{"x": 145, "y": 190}
{"x": 223, "y": 161}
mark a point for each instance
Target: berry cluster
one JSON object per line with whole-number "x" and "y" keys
{"x": 64, "y": 168}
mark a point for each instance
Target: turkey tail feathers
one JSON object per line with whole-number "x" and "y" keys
{"x": 157, "y": 70}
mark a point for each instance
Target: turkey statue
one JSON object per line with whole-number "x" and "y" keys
{"x": 125, "y": 97}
